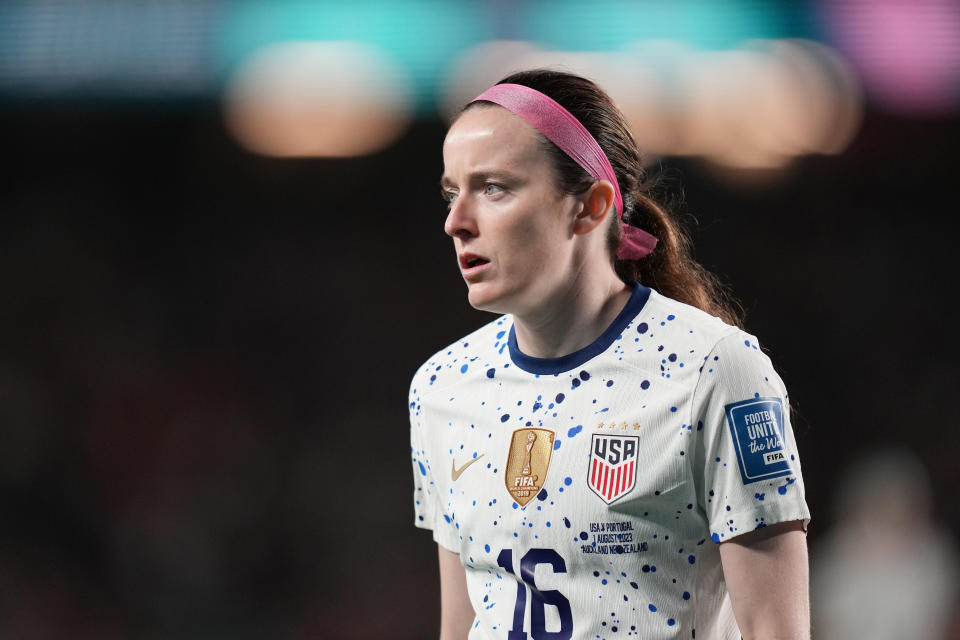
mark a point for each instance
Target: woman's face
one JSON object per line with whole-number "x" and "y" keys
{"x": 511, "y": 226}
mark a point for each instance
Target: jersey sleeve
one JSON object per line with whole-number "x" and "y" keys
{"x": 428, "y": 511}
{"x": 748, "y": 467}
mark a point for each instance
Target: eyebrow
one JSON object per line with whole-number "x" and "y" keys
{"x": 480, "y": 175}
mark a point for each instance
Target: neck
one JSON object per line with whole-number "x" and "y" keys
{"x": 572, "y": 317}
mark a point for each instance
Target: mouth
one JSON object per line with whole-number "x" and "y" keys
{"x": 472, "y": 265}
{"x": 471, "y": 260}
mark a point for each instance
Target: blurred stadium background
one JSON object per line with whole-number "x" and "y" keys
{"x": 222, "y": 257}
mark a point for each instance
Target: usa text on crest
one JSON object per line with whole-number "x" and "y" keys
{"x": 612, "y": 471}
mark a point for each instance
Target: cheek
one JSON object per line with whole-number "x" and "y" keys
{"x": 529, "y": 244}
{"x": 542, "y": 236}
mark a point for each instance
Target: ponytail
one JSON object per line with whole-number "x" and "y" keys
{"x": 670, "y": 269}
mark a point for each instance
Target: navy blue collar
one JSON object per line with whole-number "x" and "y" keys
{"x": 565, "y": 363}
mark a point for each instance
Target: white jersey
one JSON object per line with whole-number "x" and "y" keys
{"x": 586, "y": 494}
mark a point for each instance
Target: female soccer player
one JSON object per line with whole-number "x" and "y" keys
{"x": 612, "y": 456}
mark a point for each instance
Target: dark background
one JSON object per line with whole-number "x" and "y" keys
{"x": 206, "y": 352}
{"x": 206, "y": 357}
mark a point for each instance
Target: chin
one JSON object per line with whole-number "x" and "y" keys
{"x": 484, "y": 297}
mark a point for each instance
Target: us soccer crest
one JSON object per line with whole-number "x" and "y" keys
{"x": 613, "y": 465}
{"x": 527, "y": 463}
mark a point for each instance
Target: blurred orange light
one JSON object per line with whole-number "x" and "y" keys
{"x": 320, "y": 99}
{"x": 754, "y": 107}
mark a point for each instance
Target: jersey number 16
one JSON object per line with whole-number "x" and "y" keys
{"x": 540, "y": 598}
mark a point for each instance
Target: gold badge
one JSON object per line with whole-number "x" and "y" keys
{"x": 527, "y": 462}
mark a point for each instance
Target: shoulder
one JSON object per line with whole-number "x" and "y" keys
{"x": 736, "y": 370}
{"x": 682, "y": 323}
{"x": 465, "y": 358}
{"x": 722, "y": 352}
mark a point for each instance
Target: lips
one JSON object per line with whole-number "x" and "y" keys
{"x": 471, "y": 260}
{"x": 472, "y": 264}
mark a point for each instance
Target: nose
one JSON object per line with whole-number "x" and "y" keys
{"x": 461, "y": 221}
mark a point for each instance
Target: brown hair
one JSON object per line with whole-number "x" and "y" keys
{"x": 670, "y": 269}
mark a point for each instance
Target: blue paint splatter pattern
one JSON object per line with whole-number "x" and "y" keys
{"x": 662, "y": 383}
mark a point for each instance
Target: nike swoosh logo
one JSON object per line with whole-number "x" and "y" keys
{"x": 455, "y": 473}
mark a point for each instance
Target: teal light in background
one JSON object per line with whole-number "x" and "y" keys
{"x": 421, "y": 37}
{"x": 154, "y": 50}
{"x": 425, "y": 36}
{"x": 579, "y": 25}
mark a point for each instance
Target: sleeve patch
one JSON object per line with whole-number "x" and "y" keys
{"x": 757, "y": 429}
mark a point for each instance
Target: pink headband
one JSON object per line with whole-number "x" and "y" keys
{"x": 548, "y": 117}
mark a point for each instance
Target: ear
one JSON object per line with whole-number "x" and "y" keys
{"x": 597, "y": 202}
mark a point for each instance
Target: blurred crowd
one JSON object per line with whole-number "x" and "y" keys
{"x": 206, "y": 353}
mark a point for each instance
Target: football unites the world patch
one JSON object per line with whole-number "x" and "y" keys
{"x": 757, "y": 429}
{"x": 613, "y": 465}
{"x": 527, "y": 463}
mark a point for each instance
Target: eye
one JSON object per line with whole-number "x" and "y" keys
{"x": 492, "y": 189}
{"x": 448, "y": 196}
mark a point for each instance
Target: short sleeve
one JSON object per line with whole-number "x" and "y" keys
{"x": 747, "y": 463}
{"x": 428, "y": 513}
